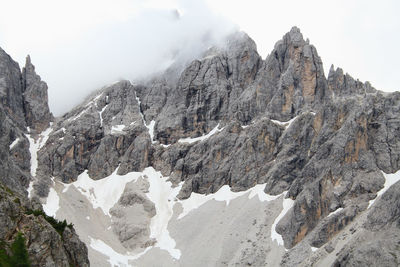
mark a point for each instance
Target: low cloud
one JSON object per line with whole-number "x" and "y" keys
{"x": 137, "y": 44}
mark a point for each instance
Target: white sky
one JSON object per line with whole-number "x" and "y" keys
{"x": 78, "y": 46}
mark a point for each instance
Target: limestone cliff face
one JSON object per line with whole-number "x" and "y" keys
{"x": 342, "y": 134}
{"x": 24, "y": 104}
{"x": 279, "y": 121}
{"x": 46, "y": 246}
{"x": 36, "y": 107}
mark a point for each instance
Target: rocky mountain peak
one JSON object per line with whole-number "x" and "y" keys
{"x": 343, "y": 84}
{"x": 29, "y": 73}
{"x": 35, "y": 98}
{"x": 240, "y": 41}
{"x": 319, "y": 151}
{"x": 11, "y": 88}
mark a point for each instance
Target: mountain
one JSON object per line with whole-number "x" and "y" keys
{"x": 24, "y": 113}
{"x": 235, "y": 160}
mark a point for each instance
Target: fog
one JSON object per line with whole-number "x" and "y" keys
{"x": 146, "y": 41}
{"x": 80, "y": 46}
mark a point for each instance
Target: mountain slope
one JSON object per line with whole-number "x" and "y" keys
{"x": 268, "y": 159}
{"x": 24, "y": 113}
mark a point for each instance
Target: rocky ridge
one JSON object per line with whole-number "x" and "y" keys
{"x": 46, "y": 244}
{"x": 24, "y": 113}
{"x": 327, "y": 142}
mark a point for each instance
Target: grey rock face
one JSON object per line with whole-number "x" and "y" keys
{"x": 324, "y": 141}
{"x": 132, "y": 215}
{"x": 75, "y": 249}
{"x": 98, "y": 136}
{"x": 37, "y": 113}
{"x": 23, "y": 102}
{"x": 205, "y": 89}
{"x": 386, "y": 211}
{"x": 11, "y": 89}
{"x": 380, "y": 242}
{"x": 45, "y": 246}
{"x": 328, "y": 157}
{"x": 15, "y": 161}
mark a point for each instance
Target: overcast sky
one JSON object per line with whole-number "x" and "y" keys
{"x": 79, "y": 46}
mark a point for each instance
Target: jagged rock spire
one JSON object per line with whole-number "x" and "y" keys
{"x": 36, "y": 107}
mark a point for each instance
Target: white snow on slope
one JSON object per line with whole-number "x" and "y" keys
{"x": 115, "y": 258}
{"x": 163, "y": 196}
{"x": 30, "y": 188}
{"x": 140, "y": 112}
{"x": 14, "y": 143}
{"x": 94, "y": 100}
{"x": 286, "y": 124}
{"x": 223, "y": 194}
{"x": 80, "y": 114}
{"x": 52, "y": 203}
{"x": 165, "y": 145}
{"x": 150, "y": 126}
{"x": 36, "y": 145}
{"x": 101, "y": 115}
{"x": 287, "y": 205}
{"x": 390, "y": 179}
{"x": 104, "y": 193}
{"x": 200, "y": 138}
{"x": 334, "y": 212}
{"x": 118, "y": 129}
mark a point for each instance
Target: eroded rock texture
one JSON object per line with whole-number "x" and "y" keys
{"x": 24, "y": 106}
{"x": 46, "y": 246}
{"x": 279, "y": 121}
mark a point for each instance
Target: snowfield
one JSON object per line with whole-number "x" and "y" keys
{"x": 103, "y": 193}
{"x": 390, "y": 179}
{"x": 189, "y": 140}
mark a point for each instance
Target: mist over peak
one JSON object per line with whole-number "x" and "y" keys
{"x": 142, "y": 45}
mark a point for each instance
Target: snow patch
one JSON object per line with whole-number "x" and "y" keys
{"x": 223, "y": 194}
{"x": 390, "y": 179}
{"x": 101, "y": 115}
{"x": 80, "y": 114}
{"x": 94, "y": 100}
{"x": 200, "y": 138}
{"x": 118, "y": 129}
{"x": 14, "y": 143}
{"x": 285, "y": 124}
{"x": 103, "y": 193}
{"x": 334, "y": 212}
{"x": 30, "y": 188}
{"x": 162, "y": 195}
{"x": 66, "y": 187}
{"x": 165, "y": 145}
{"x": 150, "y": 126}
{"x": 114, "y": 258}
{"x": 287, "y": 205}
{"x": 52, "y": 203}
{"x": 36, "y": 145}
